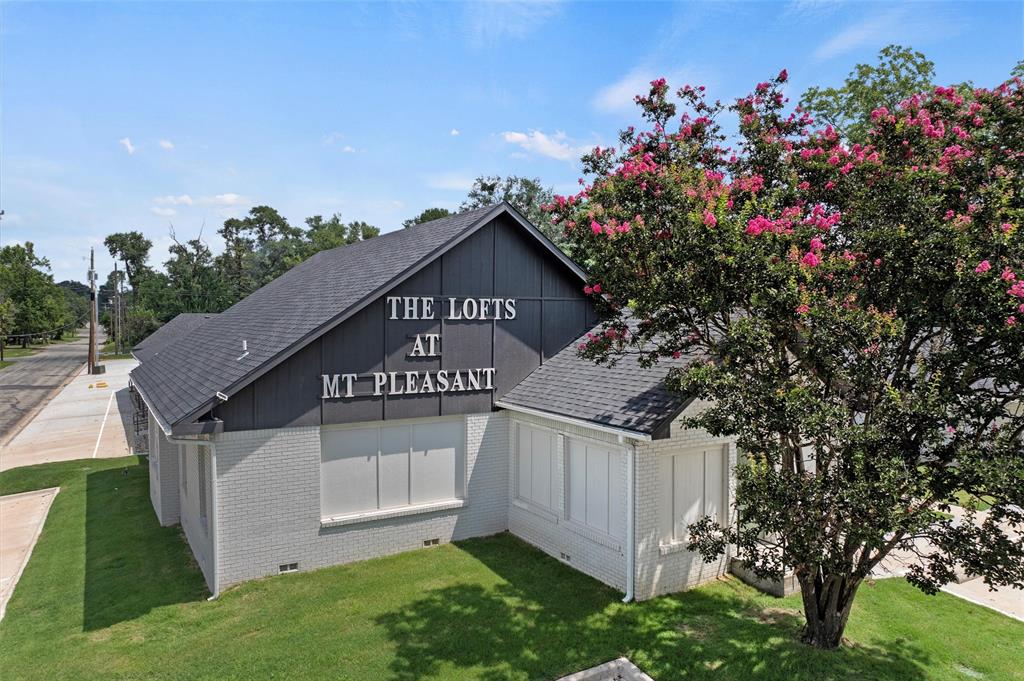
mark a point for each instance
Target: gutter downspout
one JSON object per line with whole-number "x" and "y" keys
{"x": 630, "y": 521}
{"x": 213, "y": 502}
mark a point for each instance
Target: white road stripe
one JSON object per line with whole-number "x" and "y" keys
{"x": 102, "y": 425}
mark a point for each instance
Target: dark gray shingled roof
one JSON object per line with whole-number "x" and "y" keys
{"x": 180, "y": 383}
{"x": 625, "y": 396}
{"x": 169, "y": 333}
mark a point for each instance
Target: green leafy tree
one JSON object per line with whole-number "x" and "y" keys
{"x": 139, "y": 322}
{"x": 235, "y": 263}
{"x": 899, "y": 73}
{"x": 258, "y": 248}
{"x": 39, "y": 304}
{"x": 131, "y": 248}
{"x": 193, "y": 281}
{"x": 7, "y": 311}
{"x": 853, "y": 315}
{"x": 527, "y": 195}
{"x": 322, "y": 235}
{"x": 426, "y": 216}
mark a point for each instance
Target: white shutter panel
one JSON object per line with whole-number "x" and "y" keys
{"x": 597, "y": 488}
{"x": 435, "y": 453}
{"x": 577, "y": 481}
{"x": 541, "y": 468}
{"x": 394, "y": 466}
{"x": 348, "y": 474}
{"x": 688, "y": 480}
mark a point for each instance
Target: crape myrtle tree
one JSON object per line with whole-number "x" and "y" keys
{"x": 853, "y": 313}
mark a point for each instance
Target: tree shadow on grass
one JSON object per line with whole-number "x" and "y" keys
{"x": 544, "y": 620}
{"x": 132, "y": 565}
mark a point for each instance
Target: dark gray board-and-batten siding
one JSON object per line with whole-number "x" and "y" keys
{"x": 500, "y": 260}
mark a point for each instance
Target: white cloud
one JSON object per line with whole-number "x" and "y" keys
{"x": 348, "y": 149}
{"x": 166, "y": 144}
{"x": 450, "y": 181}
{"x": 163, "y": 212}
{"x": 331, "y": 138}
{"x": 126, "y": 142}
{"x": 228, "y": 199}
{"x": 169, "y": 200}
{"x": 618, "y": 97}
{"x": 455, "y": 132}
{"x": 555, "y": 146}
{"x": 878, "y": 29}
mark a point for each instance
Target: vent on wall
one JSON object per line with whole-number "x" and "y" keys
{"x": 565, "y": 556}
{"x": 287, "y": 567}
{"x": 431, "y": 542}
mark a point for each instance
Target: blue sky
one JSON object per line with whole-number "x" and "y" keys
{"x": 140, "y": 116}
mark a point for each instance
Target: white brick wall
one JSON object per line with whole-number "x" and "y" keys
{"x": 588, "y": 551}
{"x": 198, "y": 533}
{"x": 268, "y": 514}
{"x": 268, "y": 487}
{"x": 163, "y": 475}
{"x": 658, "y": 572}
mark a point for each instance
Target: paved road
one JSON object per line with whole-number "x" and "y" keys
{"x": 30, "y": 381}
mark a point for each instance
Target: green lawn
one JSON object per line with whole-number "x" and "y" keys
{"x": 110, "y": 594}
{"x": 5, "y": 364}
{"x": 966, "y": 500}
{"x": 18, "y": 351}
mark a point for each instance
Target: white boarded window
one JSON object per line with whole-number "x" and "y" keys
{"x": 691, "y": 486}
{"x": 390, "y": 467}
{"x": 535, "y": 465}
{"x": 594, "y": 487}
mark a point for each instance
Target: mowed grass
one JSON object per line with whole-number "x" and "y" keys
{"x": 109, "y": 594}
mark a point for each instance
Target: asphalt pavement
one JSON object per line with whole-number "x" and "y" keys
{"x": 31, "y": 381}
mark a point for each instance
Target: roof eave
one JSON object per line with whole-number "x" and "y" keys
{"x": 571, "y": 420}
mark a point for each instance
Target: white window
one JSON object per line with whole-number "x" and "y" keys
{"x": 595, "y": 487}
{"x": 535, "y": 465}
{"x": 390, "y": 467}
{"x": 691, "y": 486}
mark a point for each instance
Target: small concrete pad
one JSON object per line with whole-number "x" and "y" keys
{"x": 1006, "y": 600}
{"x": 89, "y": 418}
{"x": 21, "y": 520}
{"x": 620, "y": 669}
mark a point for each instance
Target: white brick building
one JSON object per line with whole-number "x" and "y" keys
{"x": 415, "y": 389}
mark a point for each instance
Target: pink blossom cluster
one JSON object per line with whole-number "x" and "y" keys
{"x": 821, "y": 219}
{"x": 761, "y": 224}
{"x": 810, "y": 259}
{"x": 588, "y": 289}
{"x": 752, "y": 184}
{"x": 610, "y": 228}
{"x": 634, "y": 167}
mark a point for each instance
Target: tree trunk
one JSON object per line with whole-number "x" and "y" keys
{"x": 827, "y": 601}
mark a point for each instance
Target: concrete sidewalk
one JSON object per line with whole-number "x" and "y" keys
{"x": 89, "y": 418}
{"x": 1006, "y": 600}
{"x": 21, "y": 520}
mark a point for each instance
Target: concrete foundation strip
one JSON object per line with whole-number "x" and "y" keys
{"x": 35, "y": 537}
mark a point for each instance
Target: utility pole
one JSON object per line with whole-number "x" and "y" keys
{"x": 117, "y": 311}
{"x": 93, "y": 314}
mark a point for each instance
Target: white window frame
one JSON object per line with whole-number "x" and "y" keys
{"x": 557, "y": 452}
{"x": 578, "y": 526}
{"x": 668, "y": 540}
{"x": 461, "y": 468}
